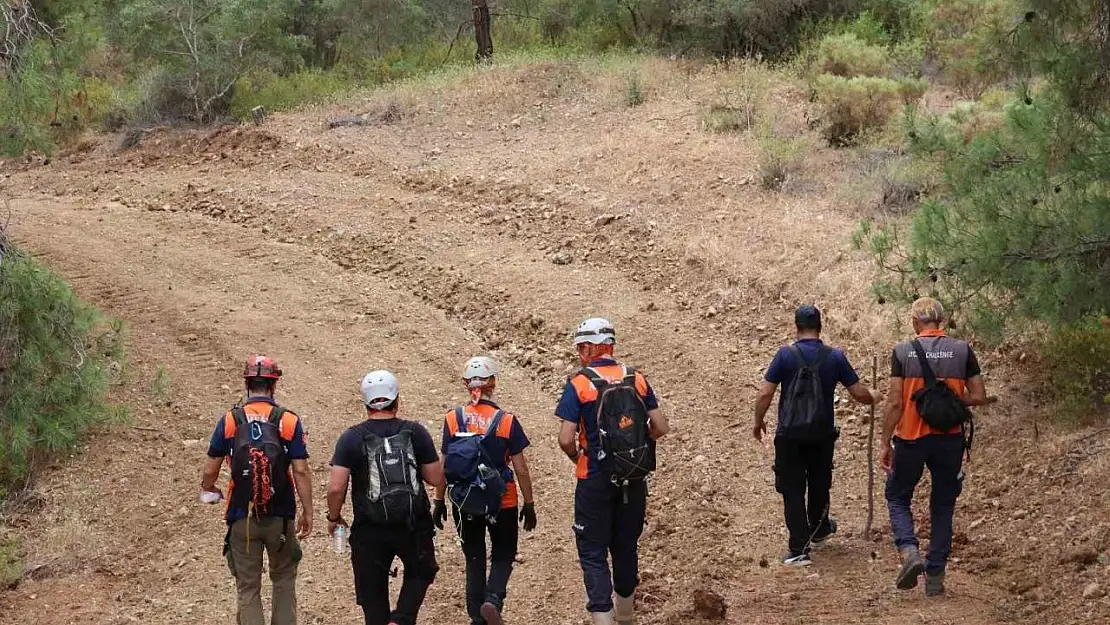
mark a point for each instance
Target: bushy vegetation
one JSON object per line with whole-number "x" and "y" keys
{"x": 11, "y": 567}
{"x": 855, "y": 106}
{"x": 57, "y": 359}
{"x": 1017, "y": 235}
{"x": 1078, "y": 356}
{"x": 848, "y": 56}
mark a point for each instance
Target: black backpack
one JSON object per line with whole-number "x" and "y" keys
{"x": 473, "y": 484}
{"x": 804, "y": 412}
{"x": 627, "y": 451}
{"x": 938, "y": 404}
{"x": 259, "y": 463}
{"x": 394, "y": 491}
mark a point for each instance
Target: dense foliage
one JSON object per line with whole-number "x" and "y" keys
{"x": 57, "y": 358}
{"x": 1018, "y": 236}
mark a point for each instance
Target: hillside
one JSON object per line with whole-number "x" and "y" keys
{"x": 492, "y": 210}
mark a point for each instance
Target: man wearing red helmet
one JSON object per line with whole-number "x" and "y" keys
{"x": 264, "y": 446}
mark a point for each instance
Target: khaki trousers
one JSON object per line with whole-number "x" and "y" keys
{"x": 247, "y": 539}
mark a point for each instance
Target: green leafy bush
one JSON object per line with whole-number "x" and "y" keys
{"x": 779, "y": 157}
{"x": 854, "y": 106}
{"x": 849, "y": 56}
{"x": 1078, "y": 356}
{"x": 969, "y": 37}
{"x": 57, "y": 358}
{"x": 278, "y": 93}
{"x": 11, "y": 567}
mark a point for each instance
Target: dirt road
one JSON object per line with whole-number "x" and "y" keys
{"x": 412, "y": 246}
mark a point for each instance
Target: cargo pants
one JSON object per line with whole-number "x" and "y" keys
{"x": 246, "y": 540}
{"x": 608, "y": 521}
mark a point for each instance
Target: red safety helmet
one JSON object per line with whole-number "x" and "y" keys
{"x": 259, "y": 366}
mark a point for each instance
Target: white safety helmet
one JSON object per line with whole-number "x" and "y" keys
{"x": 379, "y": 389}
{"x": 596, "y": 330}
{"x": 480, "y": 367}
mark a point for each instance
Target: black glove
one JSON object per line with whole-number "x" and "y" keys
{"x": 528, "y": 515}
{"x": 439, "y": 513}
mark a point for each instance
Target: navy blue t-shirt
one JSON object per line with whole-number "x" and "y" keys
{"x": 835, "y": 370}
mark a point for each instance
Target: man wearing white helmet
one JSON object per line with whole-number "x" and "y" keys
{"x": 386, "y": 460}
{"x": 503, "y": 442}
{"x": 610, "y": 422}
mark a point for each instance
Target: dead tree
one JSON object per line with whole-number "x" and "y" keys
{"x": 482, "y": 31}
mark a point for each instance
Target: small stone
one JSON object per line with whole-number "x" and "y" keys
{"x": 700, "y": 459}
{"x": 561, "y": 258}
{"x": 604, "y": 220}
{"x": 709, "y": 605}
{"x": 1093, "y": 591}
{"x": 711, "y": 312}
{"x": 706, "y": 490}
{"x": 651, "y": 306}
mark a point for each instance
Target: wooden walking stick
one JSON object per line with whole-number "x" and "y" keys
{"x": 871, "y": 455}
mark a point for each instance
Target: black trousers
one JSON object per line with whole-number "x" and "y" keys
{"x": 608, "y": 521}
{"x": 373, "y": 549}
{"x": 802, "y": 465}
{"x": 503, "y": 537}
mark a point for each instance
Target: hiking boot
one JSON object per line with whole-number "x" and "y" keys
{"x": 602, "y": 618}
{"x": 934, "y": 584}
{"x": 912, "y": 568}
{"x": 491, "y": 611}
{"x": 797, "y": 559}
{"x": 828, "y": 531}
{"x": 624, "y": 609}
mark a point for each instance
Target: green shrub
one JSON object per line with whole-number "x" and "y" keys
{"x": 970, "y": 37}
{"x": 57, "y": 357}
{"x": 280, "y": 93}
{"x": 11, "y": 567}
{"x": 1078, "y": 357}
{"x": 725, "y": 119}
{"x": 854, "y": 106}
{"x": 779, "y": 157}
{"x": 849, "y": 56}
{"x": 634, "y": 91}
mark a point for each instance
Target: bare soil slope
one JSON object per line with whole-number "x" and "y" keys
{"x": 497, "y": 210}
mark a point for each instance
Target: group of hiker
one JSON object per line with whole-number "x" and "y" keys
{"x": 926, "y": 423}
{"x": 610, "y": 421}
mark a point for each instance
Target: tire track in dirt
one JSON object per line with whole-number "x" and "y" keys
{"x": 684, "y": 548}
{"x": 307, "y": 359}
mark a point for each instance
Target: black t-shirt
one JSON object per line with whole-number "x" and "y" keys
{"x": 350, "y": 451}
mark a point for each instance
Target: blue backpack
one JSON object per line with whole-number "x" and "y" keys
{"x": 474, "y": 485}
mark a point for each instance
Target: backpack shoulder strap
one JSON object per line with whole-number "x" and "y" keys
{"x": 460, "y": 420}
{"x": 822, "y": 355}
{"x": 491, "y": 431}
{"x": 797, "y": 353}
{"x": 594, "y": 377}
{"x": 629, "y": 376}
{"x": 239, "y": 415}
{"x": 926, "y": 370}
{"x": 276, "y": 413}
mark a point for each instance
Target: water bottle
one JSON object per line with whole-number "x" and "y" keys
{"x": 339, "y": 539}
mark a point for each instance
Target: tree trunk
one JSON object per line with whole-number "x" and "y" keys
{"x": 482, "y": 31}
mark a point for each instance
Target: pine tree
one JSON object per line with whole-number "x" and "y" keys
{"x": 1020, "y": 231}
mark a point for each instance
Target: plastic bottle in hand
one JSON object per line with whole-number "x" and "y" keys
{"x": 339, "y": 539}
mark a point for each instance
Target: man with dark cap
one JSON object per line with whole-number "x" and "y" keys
{"x": 806, "y": 434}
